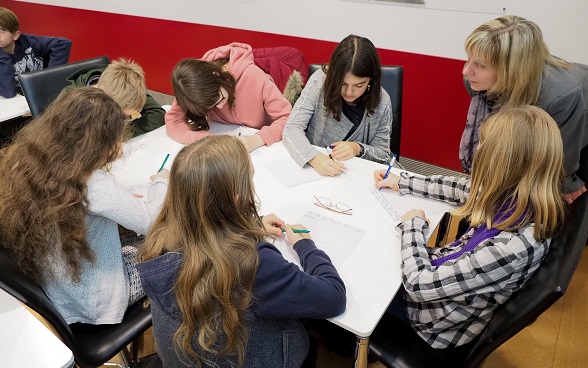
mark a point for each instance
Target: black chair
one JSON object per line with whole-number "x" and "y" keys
{"x": 42, "y": 86}
{"x": 395, "y": 344}
{"x": 91, "y": 345}
{"x": 392, "y": 77}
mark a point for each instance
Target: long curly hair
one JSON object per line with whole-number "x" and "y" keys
{"x": 43, "y": 176}
{"x": 210, "y": 216}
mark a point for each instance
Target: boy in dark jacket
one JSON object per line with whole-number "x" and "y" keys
{"x": 20, "y": 53}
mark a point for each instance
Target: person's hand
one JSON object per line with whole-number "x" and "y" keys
{"x": 163, "y": 174}
{"x": 251, "y": 142}
{"x": 326, "y": 166}
{"x": 412, "y": 214}
{"x": 273, "y": 224}
{"x": 390, "y": 182}
{"x": 570, "y": 197}
{"x": 345, "y": 150}
{"x": 294, "y": 237}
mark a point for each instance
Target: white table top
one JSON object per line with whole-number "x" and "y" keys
{"x": 369, "y": 267}
{"x": 13, "y": 107}
{"x": 25, "y": 341}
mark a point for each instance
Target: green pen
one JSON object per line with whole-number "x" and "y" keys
{"x": 164, "y": 161}
{"x": 297, "y": 231}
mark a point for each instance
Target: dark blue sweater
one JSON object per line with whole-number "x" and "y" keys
{"x": 30, "y": 53}
{"x": 283, "y": 294}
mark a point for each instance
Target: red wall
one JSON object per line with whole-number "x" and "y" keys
{"x": 435, "y": 101}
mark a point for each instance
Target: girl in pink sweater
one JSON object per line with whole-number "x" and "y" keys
{"x": 225, "y": 86}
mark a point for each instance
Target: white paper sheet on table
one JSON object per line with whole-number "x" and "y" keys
{"x": 289, "y": 174}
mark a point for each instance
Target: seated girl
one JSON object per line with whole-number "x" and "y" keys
{"x": 60, "y": 208}
{"x": 343, "y": 107}
{"x": 451, "y": 292}
{"x": 220, "y": 294}
{"x": 227, "y": 87}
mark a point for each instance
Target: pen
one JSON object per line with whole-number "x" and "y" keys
{"x": 329, "y": 150}
{"x": 389, "y": 167}
{"x": 297, "y": 231}
{"x": 164, "y": 161}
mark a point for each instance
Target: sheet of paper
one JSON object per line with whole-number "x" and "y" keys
{"x": 385, "y": 203}
{"x": 289, "y": 174}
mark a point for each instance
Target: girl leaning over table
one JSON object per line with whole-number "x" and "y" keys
{"x": 343, "y": 107}
{"x": 220, "y": 294}
{"x": 450, "y": 292}
{"x": 60, "y": 208}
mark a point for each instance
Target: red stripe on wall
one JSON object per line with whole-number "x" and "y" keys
{"x": 435, "y": 101}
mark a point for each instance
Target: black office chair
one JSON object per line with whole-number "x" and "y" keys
{"x": 91, "y": 345}
{"x": 392, "y": 77}
{"x": 395, "y": 344}
{"x": 42, "y": 86}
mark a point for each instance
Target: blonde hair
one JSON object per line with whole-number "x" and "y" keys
{"x": 124, "y": 81}
{"x": 514, "y": 47}
{"x": 518, "y": 166}
{"x": 210, "y": 216}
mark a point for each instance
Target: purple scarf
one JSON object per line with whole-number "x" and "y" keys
{"x": 477, "y": 113}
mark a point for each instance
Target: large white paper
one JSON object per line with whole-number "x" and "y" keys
{"x": 289, "y": 174}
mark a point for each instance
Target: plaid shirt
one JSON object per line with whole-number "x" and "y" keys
{"x": 450, "y": 305}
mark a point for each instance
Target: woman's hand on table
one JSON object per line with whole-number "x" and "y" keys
{"x": 345, "y": 150}
{"x": 273, "y": 224}
{"x": 327, "y": 166}
{"x": 294, "y": 237}
{"x": 251, "y": 142}
{"x": 390, "y": 182}
{"x": 412, "y": 214}
{"x": 163, "y": 174}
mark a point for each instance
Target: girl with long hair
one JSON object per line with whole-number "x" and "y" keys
{"x": 227, "y": 87}
{"x": 509, "y": 65}
{"x": 222, "y": 296}
{"x": 60, "y": 208}
{"x": 342, "y": 106}
{"x": 514, "y": 206}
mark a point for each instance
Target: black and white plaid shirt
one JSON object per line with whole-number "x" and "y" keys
{"x": 449, "y": 305}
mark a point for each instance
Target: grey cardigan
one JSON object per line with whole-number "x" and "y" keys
{"x": 309, "y": 125}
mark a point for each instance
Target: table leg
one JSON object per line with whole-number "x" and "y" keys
{"x": 361, "y": 351}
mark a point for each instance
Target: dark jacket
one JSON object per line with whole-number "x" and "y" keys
{"x": 30, "y": 53}
{"x": 283, "y": 293}
{"x": 152, "y": 115}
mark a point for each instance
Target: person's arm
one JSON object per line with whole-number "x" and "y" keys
{"x": 54, "y": 50}
{"x": 152, "y": 117}
{"x": 450, "y": 189}
{"x": 176, "y": 126}
{"x": 107, "y": 199}
{"x": 491, "y": 265}
{"x": 569, "y": 112}
{"x": 294, "y": 134}
{"x": 378, "y": 149}
{"x": 277, "y": 108}
{"x": 7, "y": 85}
{"x": 284, "y": 291}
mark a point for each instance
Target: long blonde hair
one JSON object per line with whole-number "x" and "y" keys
{"x": 514, "y": 47}
{"x": 210, "y": 216}
{"x": 518, "y": 167}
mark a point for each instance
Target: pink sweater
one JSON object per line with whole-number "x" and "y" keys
{"x": 258, "y": 102}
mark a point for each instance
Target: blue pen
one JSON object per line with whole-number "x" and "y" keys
{"x": 389, "y": 167}
{"x": 329, "y": 148}
{"x": 164, "y": 161}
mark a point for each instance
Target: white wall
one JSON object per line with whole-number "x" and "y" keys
{"x": 401, "y": 28}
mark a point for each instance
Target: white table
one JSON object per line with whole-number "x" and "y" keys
{"x": 13, "y": 107}
{"x": 25, "y": 341}
{"x": 370, "y": 268}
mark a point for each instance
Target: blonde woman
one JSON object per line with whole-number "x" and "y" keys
{"x": 451, "y": 292}
{"x": 222, "y": 296}
{"x": 509, "y": 65}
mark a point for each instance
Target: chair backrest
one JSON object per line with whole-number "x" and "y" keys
{"x": 545, "y": 287}
{"x": 392, "y": 82}
{"x": 23, "y": 288}
{"x": 42, "y": 86}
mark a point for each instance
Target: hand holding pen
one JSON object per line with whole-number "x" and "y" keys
{"x": 344, "y": 150}
{"x": 384, "y": 178}
{"x": 295, "y": 233}
{"x": 326, "y": 165}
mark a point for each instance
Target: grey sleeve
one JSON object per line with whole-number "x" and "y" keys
{"x": 378, "y": 148}
{"x": 294, "y": 134}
